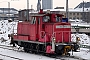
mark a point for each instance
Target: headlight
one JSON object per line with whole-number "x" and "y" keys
{"x": 78, "y": 38}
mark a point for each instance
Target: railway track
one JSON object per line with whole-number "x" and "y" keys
{"x": 15, "y": 58}
{"x": 56, "y": 58}
{"x": 69, "y": 58}
{"x": 9, "y": 48}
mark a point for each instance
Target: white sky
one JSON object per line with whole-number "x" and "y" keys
{"x": 21, "y": 4}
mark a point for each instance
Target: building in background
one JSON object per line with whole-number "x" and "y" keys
{"x": 8, "y": 13}
{"x": 85, "y": 7}
{"x": 47, "y": 4}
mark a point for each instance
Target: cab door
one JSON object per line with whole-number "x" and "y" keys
{"x": 38, "y": 27}
{"x": 67, "y": 33}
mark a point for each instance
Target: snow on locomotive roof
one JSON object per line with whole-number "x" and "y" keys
{"x": 33, "y": 12}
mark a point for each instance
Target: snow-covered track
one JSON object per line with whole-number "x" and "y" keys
{"x": 69, "y": 58}
{"x": 11, "y": 48}
{"x": 10, "y": 57}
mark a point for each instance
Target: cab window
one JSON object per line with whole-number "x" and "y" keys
{"x": 46, "y": 18}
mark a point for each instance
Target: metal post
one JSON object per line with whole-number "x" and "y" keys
{"x": 8, "y": 10}
{"x": 27, "y": 10}
{"x": 66, "y": 8}
{"x": 38, "y": 5}
{"x": 3, "y": 14}
{"x": 83, "y": 12}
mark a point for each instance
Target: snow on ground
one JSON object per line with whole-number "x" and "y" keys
{"x": 84, "y": 53}
{"x": 84, "y": 39}
{"x": 8, "y": 27}
{"x": 22, "y": 55}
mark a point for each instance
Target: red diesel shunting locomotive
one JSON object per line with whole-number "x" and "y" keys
{"x": 47, "y": 33}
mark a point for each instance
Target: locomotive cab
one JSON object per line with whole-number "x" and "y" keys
{"x": 56, "y": 32}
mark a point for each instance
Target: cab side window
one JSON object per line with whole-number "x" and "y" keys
{"x": 33, "y": 20}
{"x": 57, "y": 19}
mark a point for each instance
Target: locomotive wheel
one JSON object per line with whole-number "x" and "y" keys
{"x": 26, "y": 50}
{"x": 68, "y": 54}
{"x": 51, "y": 55}
{"x": 37, "y": 49}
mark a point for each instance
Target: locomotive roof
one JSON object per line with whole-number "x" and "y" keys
{"x": 37, "y": 14}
